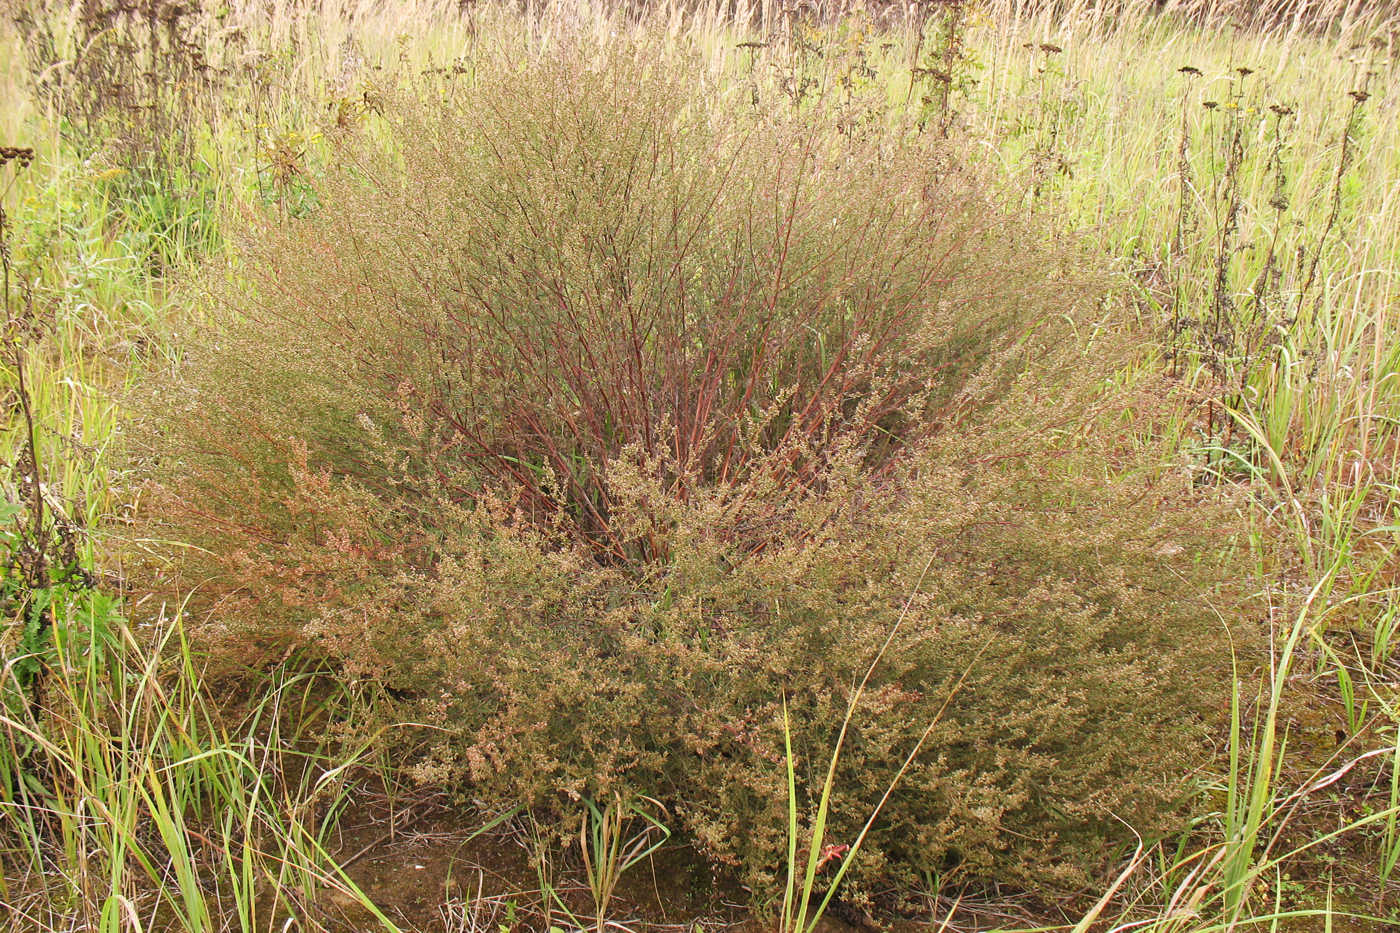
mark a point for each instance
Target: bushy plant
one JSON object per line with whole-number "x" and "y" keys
{"x": 592, "y": 413}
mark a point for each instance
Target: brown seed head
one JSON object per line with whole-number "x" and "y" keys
{"x": 20, "y": 155}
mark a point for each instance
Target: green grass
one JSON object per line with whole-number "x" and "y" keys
{"x": 128, "y": 804}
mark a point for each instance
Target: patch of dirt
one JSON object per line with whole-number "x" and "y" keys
{"x": 432, "y": 873}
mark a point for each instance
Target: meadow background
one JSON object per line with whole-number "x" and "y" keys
{"x": 1168, "y": 235}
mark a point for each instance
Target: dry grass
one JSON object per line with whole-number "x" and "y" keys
{"x": 1259, "y": 234}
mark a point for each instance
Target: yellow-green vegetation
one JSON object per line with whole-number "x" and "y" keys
{"x": 932, "y": 461}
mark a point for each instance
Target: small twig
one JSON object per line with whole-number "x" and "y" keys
{"x": 394, "y": 828}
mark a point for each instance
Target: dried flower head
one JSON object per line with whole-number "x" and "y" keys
{"x": 20, "y": 155}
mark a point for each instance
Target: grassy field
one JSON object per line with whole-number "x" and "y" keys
{"x": 1098, "y": 633}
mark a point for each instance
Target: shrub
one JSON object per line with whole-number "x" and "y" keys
{"x": 591, "y": 413}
